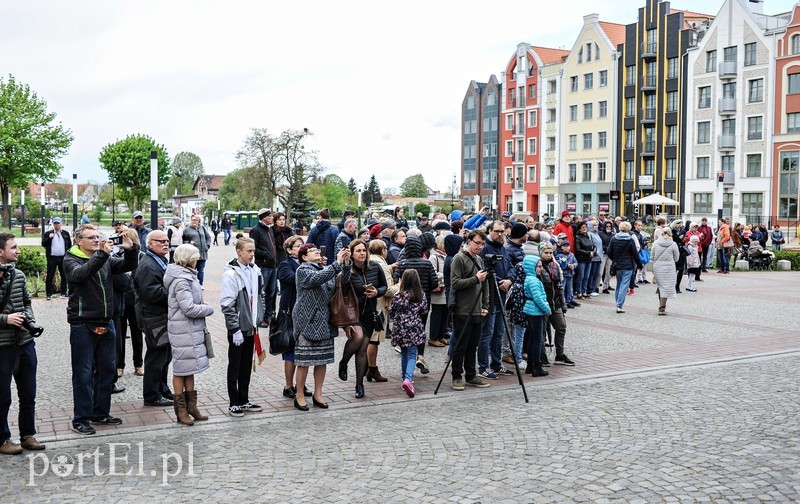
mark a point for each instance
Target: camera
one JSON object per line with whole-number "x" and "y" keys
{"x": 490, "y": 261}
{"x": 6, "y": 267}
{"x": 32, "y": 327}
{"x": 116, "y": 239}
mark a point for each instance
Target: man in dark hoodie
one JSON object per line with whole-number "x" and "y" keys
{"x": 266, "y": 257}
{"x": 452, "y": 244}
{"x": 322, "y": 235}
{"x": 492, "y": 326}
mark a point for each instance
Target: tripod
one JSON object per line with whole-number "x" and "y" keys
{"x": 461, "y": 344}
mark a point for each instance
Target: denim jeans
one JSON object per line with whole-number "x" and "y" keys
{"x": 569, "y": 294}
{"x": 227, "y": 233}
{"x": 583, "y": 277}
{"x": 94, "y": 364}
{"x": 25, "y": 378}
{"x": 723, "y": 259}
{"x": 519, "y": 337}
{"x": 623, "y": 281}
{"x": 408, "y": 359}
{"x": 271, "y": 289}
{"x": 492, "y": 328}
{"x": 594, "y": 271}
{"x": 535, "y": 327}
{"x": 201, "y": 268}
{"x": 439, "y": 318}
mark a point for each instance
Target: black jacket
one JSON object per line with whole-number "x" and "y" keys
{"x": 148, "y": 284}
{"x": 605, "y": 236}
{"x": 91, "y": 296}
{"x": 47, "y": 241}
{"x": 584, "y": 246}
{"x": 623, "y": 252}
{"x": 286, "y": 277}
{"x": 413, "y": 260}
{"x": 265, "y": 246}
{"x": 372, "y": 274}
{"x": 19, "y": 301}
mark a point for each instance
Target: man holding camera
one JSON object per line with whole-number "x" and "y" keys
{"x": 470, "y": 302}
{"x": 56, "y": 242}
{"x": 494, "y": 255}
{"x": 89, "y": 266}
{"x": 17, "y": 350}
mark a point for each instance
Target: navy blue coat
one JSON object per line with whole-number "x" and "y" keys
{"x": 286, "y": 276}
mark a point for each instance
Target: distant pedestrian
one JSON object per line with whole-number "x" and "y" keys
{"x": 215, "y": 229}
{"x": 226, "y": 228}
{"x": 85, "y": 219}
{"x": 56, "y": 243}
{"x": 408, "y": 310}
{"x": 665, "y": 256}
{"x": 197, "y": 234}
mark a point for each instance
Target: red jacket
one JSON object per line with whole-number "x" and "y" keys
{"x": 708, "y": 235}
{"x": 566, "y": 228}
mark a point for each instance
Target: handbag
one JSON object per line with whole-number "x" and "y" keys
{"x": 379, "y": 321}
{"x": 209, "y": 347}
{"x": 281, "y": 334}
{"x": 343, "y": 305}
{"x": 155, "y": 331}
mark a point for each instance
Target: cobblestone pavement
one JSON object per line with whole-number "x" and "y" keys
{"x": 725, "y": 432}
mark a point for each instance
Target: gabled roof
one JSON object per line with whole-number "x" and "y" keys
{"x": 212, "y": 182}
{"x": 689, "y": 16}
{"x": 549, "y": 55}
{"x": 614, "y": 31}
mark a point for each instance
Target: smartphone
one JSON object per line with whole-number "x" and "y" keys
{"x": 367, "y": 286}
{"x": 322, "y": 250}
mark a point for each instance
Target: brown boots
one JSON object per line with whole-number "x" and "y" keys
{"x": 180, "y": 410}
{"x": 374, "y": 374}
{"x": 191, "y": 405}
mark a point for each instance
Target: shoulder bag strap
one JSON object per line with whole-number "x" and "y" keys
{"x": 7, "y": 294}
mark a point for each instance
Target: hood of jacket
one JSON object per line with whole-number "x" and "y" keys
{"x": 323, "y": 225}
{"x": 623, "y": 236}
{"x": 456, "y": 215}
{"x": 175, "y": 272}
{"x": 663, "y": 242}
{"x": 529, "y": 264}
{"x": 427, "y": 241}
{"x": 77, "y": 252}
{"x": 452, "y": 244}
{"x": 413, "y": 247}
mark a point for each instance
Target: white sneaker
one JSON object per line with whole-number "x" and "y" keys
{"x": 594, "y": 294}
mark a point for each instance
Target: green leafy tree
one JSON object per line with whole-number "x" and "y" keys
{"x": 262, "y": 153}
{"x": 422, "y": 208}
{"x": 414, "y": 187}
{"x": 372, "y": 193}
{"x": 297, "y": 165}
{"x": 127, "y": 162}
{"x": 331, "y": 193}
{"x": 30, "y": 141}
{"x": 303, "y": 208}
{"x": 351, "y": 185}
{"x": 238, "y": 192}
{"x": 186, "y": 167}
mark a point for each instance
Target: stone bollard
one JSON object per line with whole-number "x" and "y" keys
{"x": 784, "y": 265}
{"x": 742, "y": 265}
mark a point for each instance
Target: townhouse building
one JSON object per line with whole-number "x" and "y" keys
{"x": 589, "y": 86}
{"x": 551, "y": 93}
{"x": 730, "y": 73}
{"x": 480, "y": 138}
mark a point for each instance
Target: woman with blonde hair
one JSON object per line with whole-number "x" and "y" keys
{"x": 186, "y": 327}
{"x": 377, "y": 255}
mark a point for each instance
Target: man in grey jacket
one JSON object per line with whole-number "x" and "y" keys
{"x": 197, "y": 234}
{"x": 17, "y": 351}
{"x": 243, "y": 304}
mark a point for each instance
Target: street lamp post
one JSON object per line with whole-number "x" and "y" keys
{"x": 720, "y": 190}
{"x": 41, "y": 199}
{"x": 359, "y": 209}
{"x": 74, "y": 202}
{"x": 113, "y": 204}
{"x": 153, "y": 190}
{"x": 10, "y": 210}
{"x": 22, "y": 211}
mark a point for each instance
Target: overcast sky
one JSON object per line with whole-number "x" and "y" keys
{"x": 379, "y": 84}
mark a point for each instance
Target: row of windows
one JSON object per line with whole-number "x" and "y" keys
{"x": 752, "y": 203}
{"x": 587, "y": 172}
{"x": 602, "y": 141}
{"x": 588, "y": 111}
{"x": 755, "y": 128}
{"x": 649, "y": 138}
{"x": 519, "y": 124}
{"x": 752, "y": 168}
{"x": 670, "y": 172}
{"x": 588, "y": 81}
{"x": 650, "y": 105}
{"x": 755, "y": 91}
{"x": 519, "y": 153}
{"x": 651, "y": 72}
{"x": 730, "y": 55}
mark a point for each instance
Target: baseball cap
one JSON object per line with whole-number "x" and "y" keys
{"x": 506, "y": 214}
{"x": 56, "y": 219}
{"x": 561, "y": 236}
{"x": 138, "y": 213}
{"x": 264, "y": 212}
{"x": 117, "y": 223}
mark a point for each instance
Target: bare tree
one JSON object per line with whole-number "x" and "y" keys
{"x": 261, "y": 152}
{"x": 298, "y": 166}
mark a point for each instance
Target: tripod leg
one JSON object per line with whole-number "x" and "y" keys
{"x": 495, "y": 294}
{"x": 460, "y": 346}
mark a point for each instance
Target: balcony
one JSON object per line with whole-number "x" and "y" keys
{"x": 726, "y": 106}
{"x": 649, "y": 83}
{"x": 649, "y": 49}
{"x": 519, "y": 131}
{"x": 727, "y": 70}
{"x": 518, "y": 184}
{"x": 519, "y": 157}
{"x": 729, "y": 178}
{"x": 648, "y": 115}
{"x": 647, "y": 149}
{"x": 726, "y": 142}
{"x": 520, "y": 102}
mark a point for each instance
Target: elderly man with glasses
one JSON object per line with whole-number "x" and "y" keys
{"x": 89, "y": 266}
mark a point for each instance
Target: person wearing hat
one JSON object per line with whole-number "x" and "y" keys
{"x": 514, "y": 243}
{"x": 423, "y": 224}
{"x": 505, "y": 217}
{"x": 565, "y": 226}
{"x": 441, "y": 225}
{"x": 56, "y": 242}
{"x": 375, "y": 232}
{"x": 546, "y": 218}
{"x": 323, "y": 234}
{"x": 175, "y": 235}
{"x": 137, "y": 223}
{"x": 266, "y": 259}
{"x": 388, "y": 227}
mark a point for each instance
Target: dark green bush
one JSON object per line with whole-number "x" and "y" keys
{"x": 31, "y": 262}
{"x": 793, "y": 256}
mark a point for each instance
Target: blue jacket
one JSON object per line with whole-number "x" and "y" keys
{"x": 475, "y": 221}
{"x": 535, "y": 296}
{"x": 565, "y": 260}
{"x": 324, "y": 234}
{"x": 515, "y": 252}
{"x": 503, "y": 268}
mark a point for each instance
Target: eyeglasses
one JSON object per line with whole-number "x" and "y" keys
{"x": 90, "y": 238}
{"x": 498, "y": 230}
{"x": 478, "y": 243}
{"x": 160, "y": 241}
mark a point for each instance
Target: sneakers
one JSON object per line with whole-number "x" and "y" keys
{"x": 545, "y": 360}
{"x": 10, "y": 448}
{"x": 408, "y": 387}
{"x": 489, "y": 375}
{"x": 594, "y": 294}
{"x": 563, "y": 360}
{"x": 236, "y": 411}
{"x": 30, "y": 443}
{"x": 83, "y": 428}
{"x": 250, "y": 407}
{"x": 645, "y": 281}
{"x": 691, "y": 290}
{"x": 422, "y": 365}
{"x": 458, "y": 384}
{"x": 504, "y": 371}
{"x": 477, "y": 382}
{"x": 397, "y": 349}
{"x": 106, "y": 420}
{"x": 538, "y": 371}
{"x": 606, "y": 291}
{"x": 620, "y": 310}
{"x": 631, "y": 292}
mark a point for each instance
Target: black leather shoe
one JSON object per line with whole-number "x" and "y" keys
{"x": 319, "y": 404}
{"x": 116, "y": 389}
{"x": 359, "y": 391}
{"x": 161, "y": 402}
{"x": 298, "y": 407}
{"x": 306, "y": 392}
{"x": 343, "y": 370}
{"x": 289, "y": 392}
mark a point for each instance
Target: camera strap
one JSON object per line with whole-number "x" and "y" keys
{"x": 7, "y": 293}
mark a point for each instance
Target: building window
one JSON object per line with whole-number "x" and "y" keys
{"x": 588, "y": 81}
{"x": 672, "y": 135}
{"x": 573, "y": 172}
{"x": 533, "y": 118}
{"x": 532, "y": 91}
{"x": 601, "y": 171}
{"x": 794, "y": 83}
{"x": 603, "y": 78}
{"x": 573, "y": 142}
{"x": 672, "y": 68}
{"x": 551, "y": 143}
{"x": 728, "y": 163}
{"x": 729, "y": 53}
{"x": 793, "y": 122}
{"x": 587, "y": 141}
{"x": 755, "y": 92}
{"x": 711, "y": 61}
{"x": 754, "y": 165}
{"x": 603, "y": 108}
{"x": 509, "y": 148}
{"x": 671, "y": 169}
{"x": 630, "y": 107}
{"x": 752, "y": 205}
{"x": 796, "y": 44}
{"x": 628, "y": 170}
{"x": 573, "y": 83}
{"x": 509, "y": 175}
{"x": 551, "y": 115}
{"x": 589, "y": 52}
{"x": 727, "y": 204}
{"x": 587, "y": 172}
{"x": 704, "y": 132}
{"x": 552, "y": 86}
{"x": 729, "y": 127}
{"x": 509, "y": 122}
{"x": 573, "y": 113}
{"x": 630, "y": 138}
{"x": 704, "y": 94}
{"x": 580, "y": 55}
{"x": 755, "y": 127}
{"x": 672, "y": 101}
{"x": 532, "y": 173}
{"x": 787, "y": 186}
{"x": 602, "y": 140}
{"x": 649, "y": 167}
{"x": 531, "y": 146}
{"x": 703, "y": 167}
{"x": 630, "y": 77}
{"x": 750, "y": 54}
{"x": 702, "y": 203}
{"x": 729, "y": 90}
{"x": 587, "y": 111}
{"x": 551, "y": 172}
{"x": 470, "y": 102}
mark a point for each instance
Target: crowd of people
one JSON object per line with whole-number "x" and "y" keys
{"x": 447, "y": 281}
